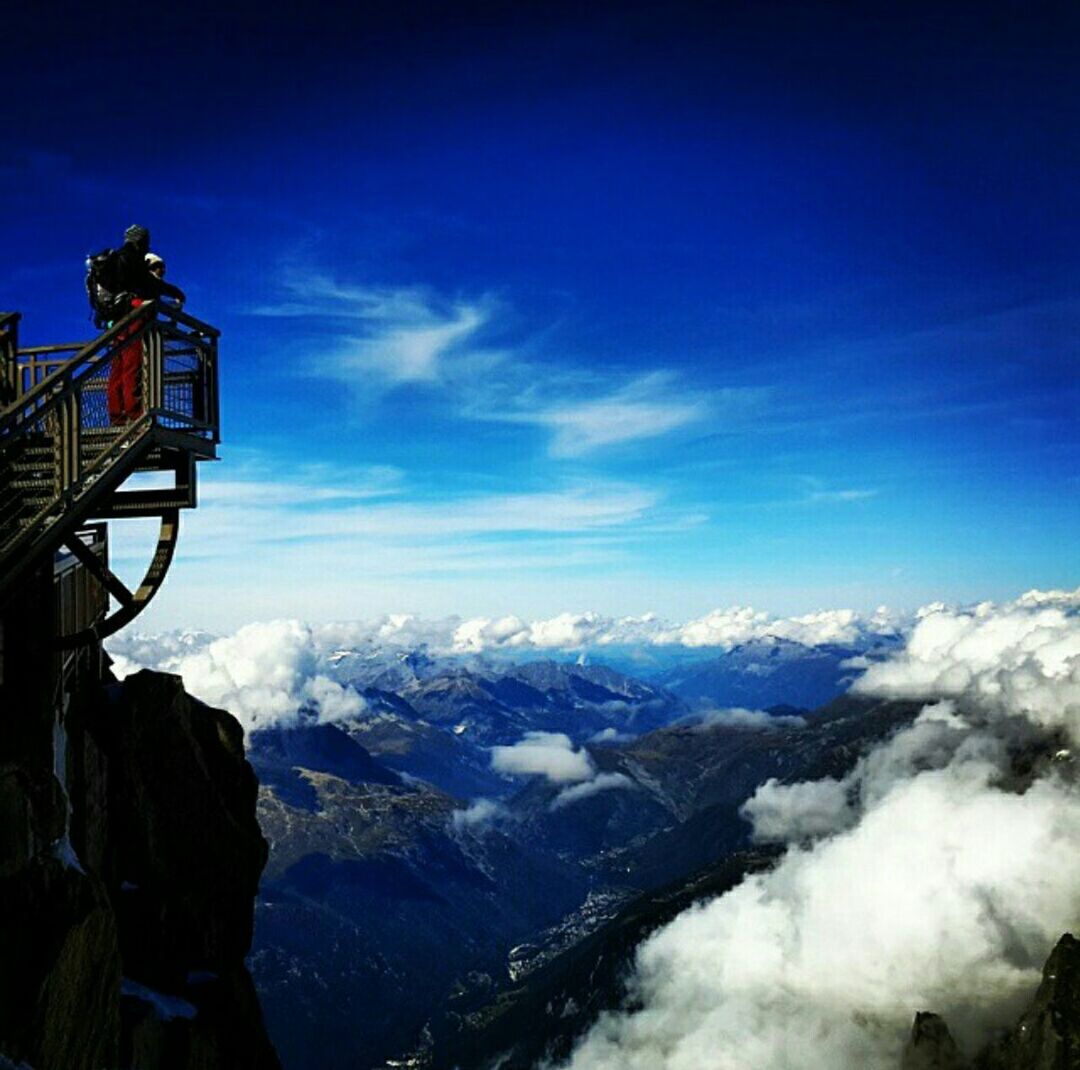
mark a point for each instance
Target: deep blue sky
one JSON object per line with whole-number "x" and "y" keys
{"x": 632, "y": 308}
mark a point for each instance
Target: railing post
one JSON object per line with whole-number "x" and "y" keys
{"x": 153, "y": 359}
{"x": 213, "y": 415}
{"x": 146, "y": 389}
{"x": 72, "y": 444}
{"x": 9, "y": 348}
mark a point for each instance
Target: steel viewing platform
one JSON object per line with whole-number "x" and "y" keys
{"x": 64, "y": 464}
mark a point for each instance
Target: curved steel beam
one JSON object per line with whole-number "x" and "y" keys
{"x": 131, "y": 605}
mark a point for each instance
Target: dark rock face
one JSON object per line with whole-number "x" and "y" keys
{"x": 60, "y": 973}
{"x": 931, "y": 1046}
{"x": 129, "y": 861}
{"x": 1047, "y": 1037}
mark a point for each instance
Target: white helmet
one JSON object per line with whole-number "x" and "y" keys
{"x": 153, "y": 261}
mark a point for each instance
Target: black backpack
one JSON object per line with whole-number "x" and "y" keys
{"x": 102, "y": 286}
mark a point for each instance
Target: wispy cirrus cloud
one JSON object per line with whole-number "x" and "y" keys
{"x": 646, "y": 407}
{"x": 390, "y": 337}
{"x": 834, "y": 496}
{"x": 816, "y": 491}
{"x": 375, "y": 515}
{"x": 568, "y": 509}
{"x": 320, "y": 485}
{"x": 406, "y": 354}
{"x": 399, "y": 335}
{"x": 313, "y": 293}
{"x": 255, "y": 551}
{"x": 805, "y": 494}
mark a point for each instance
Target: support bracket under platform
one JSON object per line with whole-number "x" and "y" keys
{"x": 130, "y": 604}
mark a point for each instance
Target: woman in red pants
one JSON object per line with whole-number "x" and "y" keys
{"x": 125, "y": 377}
{"x": 144, "y": 282}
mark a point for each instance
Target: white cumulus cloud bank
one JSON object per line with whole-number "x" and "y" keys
{"x": 450, "y": 636}
{"x": 265, "y": 674}
{"x": 722, "y": 628}
{"x": 548, "y": 754}
{"x": 554, "y": 756}
{"x": 937, "y": 875}
{"x": 728, "y": 627}
{"x": 1024, "y": 657}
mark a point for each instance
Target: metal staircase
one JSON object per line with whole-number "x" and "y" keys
{"x": 63, "y": 460}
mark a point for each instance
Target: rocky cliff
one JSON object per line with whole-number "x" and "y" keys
{"x": 1047, "y": 1036}
{"x": 129, "y": 860}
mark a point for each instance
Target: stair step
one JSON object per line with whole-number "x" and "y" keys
{"x": 42, "y": 457}
{"x": 42, "y": 489}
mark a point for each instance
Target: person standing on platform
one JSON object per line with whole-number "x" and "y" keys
{"x": 136, "y": 283}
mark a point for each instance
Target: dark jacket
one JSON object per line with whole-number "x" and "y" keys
{"x": 135, "y": 278}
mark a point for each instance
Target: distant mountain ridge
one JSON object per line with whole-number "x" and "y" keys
{"x": 278, "y": 753}
{"x": 491, "y": 704}
{"x": 755, "y": 674}
{"x": 766, "y": 672}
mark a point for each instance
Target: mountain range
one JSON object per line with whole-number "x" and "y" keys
{"x": 410, "y": 885}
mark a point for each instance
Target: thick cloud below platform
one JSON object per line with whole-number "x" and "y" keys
{"x": 935, "y": 876}
{"x": 267, "y": 672}
{"x": 548, "y": 754}
{"x": 722, "y": 628}
{"x": 264, "y": 674}
{"x": 552, "y": 755}
{"x": 1022, "y": 658}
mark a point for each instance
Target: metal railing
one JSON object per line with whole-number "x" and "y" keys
{"x": 9, "y": 345}
{"x": 179, "y": 384}
{"x": 61, "y": 435}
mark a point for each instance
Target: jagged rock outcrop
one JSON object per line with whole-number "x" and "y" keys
{"x": 931, "y": 1046}
{"x": 1047, "y": 1037}
{"x": 129, "y": 860}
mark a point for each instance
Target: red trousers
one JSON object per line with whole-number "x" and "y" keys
{"x": 125, "y": 377}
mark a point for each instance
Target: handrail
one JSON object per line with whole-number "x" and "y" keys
{"x": 59, "y": 435}
{"x": 69, "y": 369}
{"x": 55, "y": 385}
{"x": 63, "y": 347}
{"x": 188, "y": 320}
